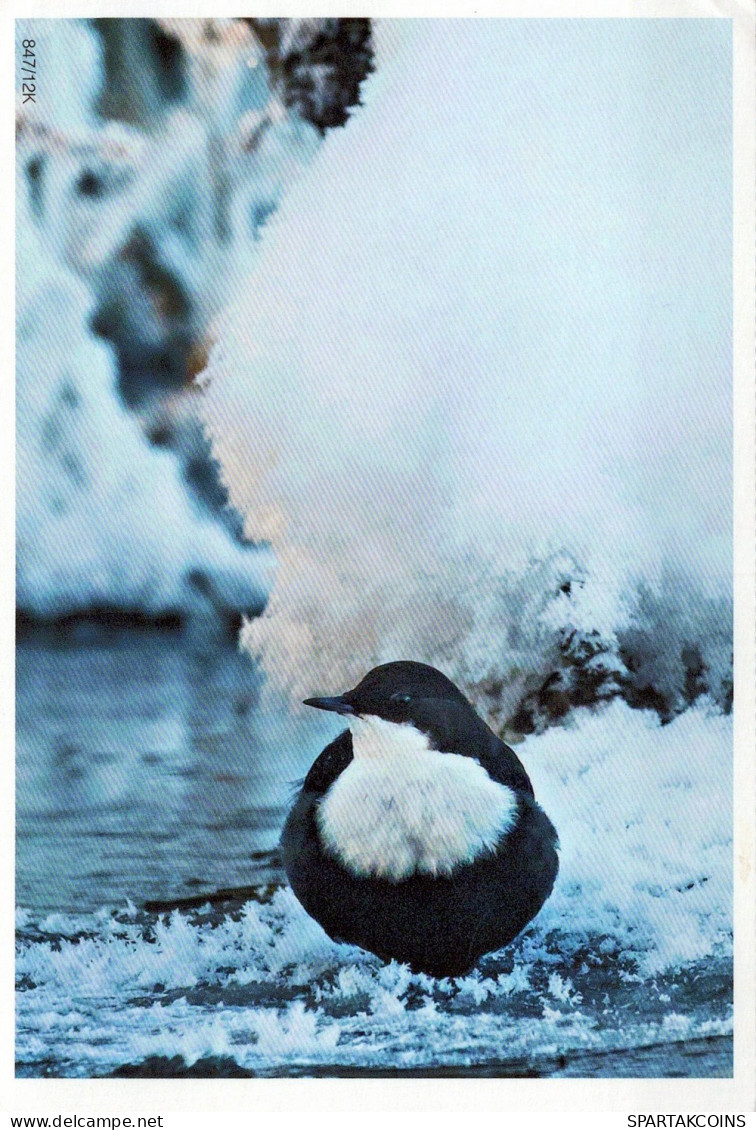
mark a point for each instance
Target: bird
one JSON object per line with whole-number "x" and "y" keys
{"x": 416, "y": 834}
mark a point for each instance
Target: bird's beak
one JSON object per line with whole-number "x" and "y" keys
{"x": 338, "y": 704}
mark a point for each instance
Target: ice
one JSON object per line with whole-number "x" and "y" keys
{"x": 194, "y": 177}
{"x": 633, "y": 947}
{"x": 73, "y": 59}
{"x": 103, "y": 519}
{"x": 485, "y": 354}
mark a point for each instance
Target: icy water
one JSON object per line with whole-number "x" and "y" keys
{"x": 147, "y": 770}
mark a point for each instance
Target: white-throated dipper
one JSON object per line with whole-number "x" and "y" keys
{"x": 416, "y": 834}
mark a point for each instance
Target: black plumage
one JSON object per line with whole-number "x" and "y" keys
{"x": 438, "y": 924}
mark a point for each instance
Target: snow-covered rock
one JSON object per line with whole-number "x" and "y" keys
{"x": 103, "y": 519}
{"x": 477, "y": 391}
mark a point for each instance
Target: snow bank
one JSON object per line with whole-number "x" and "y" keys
{"x": 102, "y": 518}
{"x": 644, "y": 815}
{"x": 633, "y": 947}
{"x": 484, "y": 362}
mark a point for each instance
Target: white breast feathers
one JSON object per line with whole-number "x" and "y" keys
{"x": 401, "y": 808}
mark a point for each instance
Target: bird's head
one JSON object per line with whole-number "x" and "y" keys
{"x": 397, "y": 703}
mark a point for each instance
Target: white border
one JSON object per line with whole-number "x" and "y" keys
{"x": 222, "y": 1097}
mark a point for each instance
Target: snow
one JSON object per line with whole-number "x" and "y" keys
{"x": 486, "y": 349}
{"x": 640, "y": 913}
{"x": 644, "y": 818}
{"x": 73, "y": 61}
{"x": 103, "y": 519}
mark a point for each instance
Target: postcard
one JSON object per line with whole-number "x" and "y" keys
{"x": 381, "y": 686}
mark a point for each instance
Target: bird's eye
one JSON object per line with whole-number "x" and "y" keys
{"x": 90, "y": 184}
{"x": 401, "y": 699}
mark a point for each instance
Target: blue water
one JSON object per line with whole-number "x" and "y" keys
{"x": 144, "y": 770}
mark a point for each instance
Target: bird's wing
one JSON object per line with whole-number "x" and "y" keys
{"x": 331, "y": 762}
{"x": 503, "y": 765}
{"x": 463, "y": 731}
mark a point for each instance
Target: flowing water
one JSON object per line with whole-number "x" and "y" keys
{"x": 148, "y": 771}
